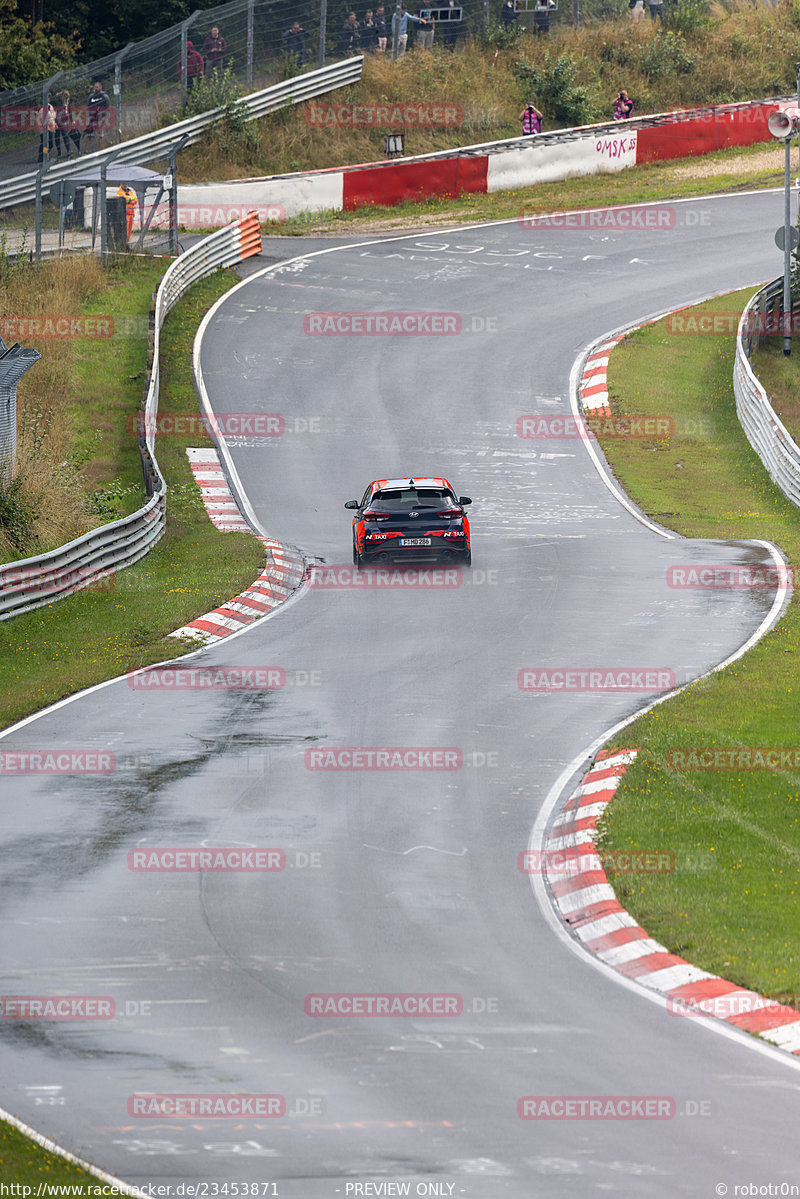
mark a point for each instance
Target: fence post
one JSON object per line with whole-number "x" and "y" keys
{"x": 184, "y": 50}
{"x": 323, "y": 29}
{"x": 118, "y": 85}
{"x": 249, "y": 43}
{"x": 14, "y": 362}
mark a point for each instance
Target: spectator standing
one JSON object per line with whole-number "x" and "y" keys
{"x": 194, "y": 66}
{"x": 98, "y": 107}
{"x": 401, "y": 28}
{"x": 637, "y": 12}
{"x": 426, "y": 30}
{"x": 508, "y": 15}
{"x": 541, "y": 15}
{"x": 656, "y": 9}
{"x": 351, "y": 35}
{"x": 380, "y": 27}
{"x": 623, "y": 107}
{"x": 49, "y": 128}
{"x": 531, "y": 120}
{"x": 369, "y": 33}
{"x": 215, "y": 48}
{"x": 65, "y": 126}
{"x": 295, "y": 41}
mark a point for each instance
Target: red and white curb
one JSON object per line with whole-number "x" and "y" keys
{"x": 593, "y": 387}
{"x": 586, "y": 901}
{"x": 280, "y": 577}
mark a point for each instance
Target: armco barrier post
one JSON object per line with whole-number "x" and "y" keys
{"x": 14, "y": 362}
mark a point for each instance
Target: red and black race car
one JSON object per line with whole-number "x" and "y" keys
{"x": 410, "y": 520}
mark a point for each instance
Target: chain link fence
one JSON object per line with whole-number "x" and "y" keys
{"x": 148, "y": 83}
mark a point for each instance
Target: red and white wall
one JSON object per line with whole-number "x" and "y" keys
{"x": 491, "y": 167}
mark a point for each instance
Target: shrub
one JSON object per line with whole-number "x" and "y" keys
{"x": 554, "y": 87}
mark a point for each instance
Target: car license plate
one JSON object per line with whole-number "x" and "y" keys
{"x": 415, "y": 541}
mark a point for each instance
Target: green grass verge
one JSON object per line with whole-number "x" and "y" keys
{"x": 22, "y": 1161}
{"x": 732, "y": 905}
{"x": 95, "y": 635}
{"x": 780, "y": 378}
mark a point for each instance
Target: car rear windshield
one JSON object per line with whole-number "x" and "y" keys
{"x": 397, "y": 500}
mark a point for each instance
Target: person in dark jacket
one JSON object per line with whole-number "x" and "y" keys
{"x": 215, "y": 48}
{"x": 351, "y": 35}
{"x": 295, "y": 41}
{"x": 508, "y": 15}
{"x": 369, "y": 33}
{"x": 380, "y": 27}
{"x": 97, "y": 115}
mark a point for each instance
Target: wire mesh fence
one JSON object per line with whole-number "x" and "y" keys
{"x": 149, "y": 83}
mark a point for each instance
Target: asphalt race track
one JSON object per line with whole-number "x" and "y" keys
{"x": 402, "y": 881}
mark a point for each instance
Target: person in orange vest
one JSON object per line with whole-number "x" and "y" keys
{"x": 129, "y": 196}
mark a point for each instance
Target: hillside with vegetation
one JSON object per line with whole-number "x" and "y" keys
{"x": 701, "y": 53}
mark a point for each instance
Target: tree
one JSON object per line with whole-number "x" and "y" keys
{"x": 29, "y": 51}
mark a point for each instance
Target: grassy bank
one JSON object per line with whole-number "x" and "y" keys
{"x": 702, "y": 55}
{"x": 733, "y": 903}
{"x": 76, "y": 466}
{"x": 94, "y": 635}
{"x": 22, "y": 1161}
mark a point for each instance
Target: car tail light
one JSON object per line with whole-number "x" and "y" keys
{"x": 370, "y": 515}
{"x": 450, "y": 513}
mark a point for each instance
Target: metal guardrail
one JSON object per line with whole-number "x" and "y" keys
{"x": 34, "y": 582}
{"x": 150, "y": 146}
{"x": 764, "y": 429}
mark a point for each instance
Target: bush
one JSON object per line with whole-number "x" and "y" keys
{"x": 17, "y": 518}
{"x": 667, "y": 55}
{"x": 554, "y": 88}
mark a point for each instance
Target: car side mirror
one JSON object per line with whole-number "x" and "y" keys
{"x": 464, "y": 500}
{"x": 351, "y": 504}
